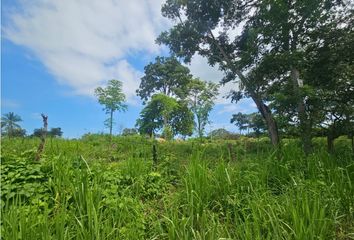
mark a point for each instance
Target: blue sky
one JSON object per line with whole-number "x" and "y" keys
{"x": 54, "y": 53}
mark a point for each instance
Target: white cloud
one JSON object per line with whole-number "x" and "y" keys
{"x": 199, "y": 68}
{"x": 9, "y": 103}
{"x": 245, "y": 105}
{"x": 84, "y": 43}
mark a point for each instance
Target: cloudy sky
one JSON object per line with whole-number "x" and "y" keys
{"x": 55, "y": 52}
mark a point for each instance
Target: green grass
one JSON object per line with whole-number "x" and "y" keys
{"x": 86, "y": 189}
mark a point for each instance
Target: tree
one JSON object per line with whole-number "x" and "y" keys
{"x": 19, "y": 132}
{"x": 55, "y": 132}
{"x": 201, "y": 98}
{"x": 330, "y": 73}
{"x": 257, "y": 124}
{"x": 129, "y": 131}
{"x": 9, "y": 122}
{"x": 166, "y": 75}
{"x": 167, "y": 114}
{"x": 113, "y": 100}
{"x": 241, "y": 121}
{"x": 182, "y": 120}
{"x": 38, "y": 132}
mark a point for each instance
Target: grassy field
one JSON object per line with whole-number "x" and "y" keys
{"x": 241, "y": 189}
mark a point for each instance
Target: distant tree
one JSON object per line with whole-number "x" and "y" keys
{"x": 256, "y": 122}
{"x": 240, "y": 120}
{"x": 129, "y": 131}
{"x": 38, "y": 132}
{"x": 166, "y": 75}
{"x": 9, "y": 122}
{"x": 19, "y": 132}
{"x": 113, "y": 100}
{"x": 201, "y": 98}
{"x": 55, "y": 132}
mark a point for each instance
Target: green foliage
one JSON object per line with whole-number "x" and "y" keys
{"x": 55, "y": 132}
{"x": 129, "y": 131}
{"x": 201, "y": 98}
{"x": 167, "y": 76}
{"x": 113, "y": 99}
{"x": 235, "y": 189}
{"x": 10, "y": 126}
{"x": 165, "y": 113}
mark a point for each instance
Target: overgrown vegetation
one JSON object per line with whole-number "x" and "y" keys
{"x": 229, "y": 189}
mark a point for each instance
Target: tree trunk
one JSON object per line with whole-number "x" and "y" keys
{"x": 199, "y": 128}
{"x": 263, "y": 108}
{"x": 270, "y": 121}
{"x": 110, "y": 126}
{"x": 304, "y": 122}
{"x": 330, "y": 145}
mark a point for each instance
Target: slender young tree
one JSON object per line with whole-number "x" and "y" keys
{"x": 113, "y": 99}
{"x": 201, "y": 99}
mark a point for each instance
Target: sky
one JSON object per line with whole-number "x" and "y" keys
{"x": 55, "y": 53}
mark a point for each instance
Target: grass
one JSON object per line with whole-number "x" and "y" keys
{"x": 83, "y": 189}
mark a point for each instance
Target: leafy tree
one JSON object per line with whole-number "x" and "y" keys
{"x": 38, "y": 132}
{"x": 167, "y": 114}
{"x": 129, "y": 131}
{"x": 182, "y": 120}
{"x": 330, "y": 73}
{"x": 9, "y": 122}
{"x": 55, "y": 132}
{"x": 19, "y": 132}
{"x": 201, "y": 101}
{"x": 112, "y": 98}
{"x": 166, "y": 75}
{"x": 241, "y": 121}
{"x": 257, "y": 124}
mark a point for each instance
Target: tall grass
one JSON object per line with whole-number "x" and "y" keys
{"x": 193, "y": 192}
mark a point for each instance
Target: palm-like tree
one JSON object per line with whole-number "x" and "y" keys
{"x": 9, "y": 121}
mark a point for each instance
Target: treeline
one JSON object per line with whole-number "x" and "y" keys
{"x": 10, "y": 127}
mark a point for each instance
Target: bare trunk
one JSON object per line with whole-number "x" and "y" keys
{"x": 330, "y": 145}
{"x": 110, "y": 126}
{"x": 304, "y": 122}
{"x": 199, "y": 128}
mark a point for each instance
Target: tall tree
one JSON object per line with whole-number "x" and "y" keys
{"x": 166, "y": 75}
{"x": 113, "y": 99}
{"x": 9, "y": 122}
{"x": 196, "y": 32}
{"x": 201, "y": 99}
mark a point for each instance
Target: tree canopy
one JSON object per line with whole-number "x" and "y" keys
{"x": 166, "y": 75}
{"x": 10, "y": 126}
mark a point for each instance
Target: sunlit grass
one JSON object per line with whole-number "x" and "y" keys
{"x": 194, "y": 192}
